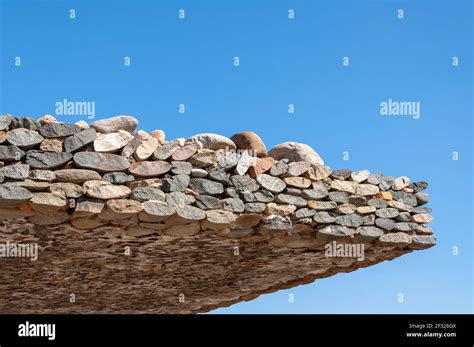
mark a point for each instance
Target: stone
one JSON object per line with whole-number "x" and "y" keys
{"x": 233, "y": 205}
{"x": 318, "y": 172}
{"x": 179, "y": 199}
{"x": 368, "y": 219}
{"x": 244, "y": 183}
{"x": 31, "y": 185}
{"x": 86, "y": 207}
{"x": 116, "y": 209}
{"x": 422, "y": 198}
{"x": 367, "y": 234}
{"x": 260, "y": 166}
{"x": 406, "y": 198}
{"x": 339, "y": 197}
{"x": 156, "y": 211}
{"x": 198, "y": 173}
{"x": 24, "y": 122}
{"x": 383, "y": 195}
{"x": 114, "y": 124}
{"x": 250, "y": 142}
{"x": 375, "y": 178}
{"x": 187, "y": 230}
{"x": 322, "y": 205}
{"x": 51, "y": 145}
{"x": 118, "y": 177}
{"x": 131, "y": 147}
{"x": 292, "y": 191}
{"x": 76, "y": 175}
{"x": 400, "y": 183}
{"x": 159, "y": 135}
{"x": 366, "y": 189}
{"x": 218, "y": 219}
{"x": 222, "y": 177}
{"x": 398, "y": 239}
{"x": 207, "y": 202}
{"x": 365, "y": 209}
{"x": 304, "y": 213}
{"x": 59, "y": 129}
{"x": 213, "y": 141}
{"x": 5, "y": 122}
{"x": 297, "y": 168}
{"x": 419, "y": 209}
{"x": 335, "y": 232}
{"x": 147, "y": 193}
{"x": 244, "y": 163}
{"x": 12, "y": 195}
{"x": 110, "y": 143}
{"x": 404, "y": 226}
{"x": 323, "y": 217}
{"x": 255, "y": 207}
{"x": 291, "y": 200}
{"x": 226, "y": 160}
{"x": 165, "y": 151}
{"x": 297, "y": 182}
{"x": 385, "y": 223}
{"x": 314, "y": 194}
{"x": 24, "y": 138}
{"x": 177, "y": 183}
{"x": 82, "y": 124}
{"x": 403, "y": 217}
{"x": 184, "y": 153}
{"x": 188, "y": 214}
{"x": 10, "y": 153}
{"x": 294, "y": 151}
{"x": 281, "y": 210}
{"x": 245, "y": 196}
{"x": 42, "y": 175}
{"x": 203, "y": 158}
{"x": 245, "y": 221}
{"x": 149, "y": 168}
{"x": 357, "y": 200}
{"x": 79, "y": 140}
{"x": 67, "y": 189}
{"x": 46, "y": 160}
{"x": 378, "y": 203}
{"x": 147, "y": 182}
{"x": 57, "y": 217}
{"x": 270, "y": 183}
{"x": 418, "y": 186}
{"x": 279, "y": 168}
{"x": 100, "y": 162}
{"x": 47, "y": 202}
{"x": 360, "y": 176}
{"x": 205, "y": 186}
{"x": 341, "y": 174}
{"x": 182, "y": 168}
{"x": 263, "y": 196}
{"x": 422, "y": 218}
{"x": 344, "y": 186}
{"x": 387, "y": 213}
{"x": 422, "y": 241}
{"x": 108, "y": 191}
{"x": 349, "y": 220}
{"x": 345, "y": 209}
{"x": 47, "y": 118}
{"x": 16, "y": 171}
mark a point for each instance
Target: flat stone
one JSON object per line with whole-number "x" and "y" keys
{"x": 11, "y": 153}
{"x": 322, "y": 205}
{"x": 375, "y": 178}
{"x": 165, "y": 151}
{"x": 275, "y": 223}
{"x": 383, "y": 195}
{"x": 16, "y": 171}
{"x": 357, "y": 200}
{"x": 368, "y": 234}
{"x": 378, "y": 203}
{"x": 47, "y": 202}
{"x": 323, "y": 217}
{"x": 184, "y": 153}
{"x": 179, "y": 199}
{"x": 297, "y": 168}
{"x": 385, "y": 223}
{"x": 114, "y": 124}
{"x": 422, "y": 241}
{"x": 233, "y": 205}
{"x": 398, "y": 239}
{"x": 54, "y": 218}
{"x": 101, "y": 162}
{"x": 86, "y": 207}
{"x": 344, "y": 186}
{"x": 76, "y": 175}
{"x": 335, "y": 232}
{"x": 405, "y": 226}
{"x": 145, "y": 149}
{"x": 204, "y": 158}
{"x": 345, "y": 209}
{"x": 244, "y": 183}
{"x": 400, "y": 183}
{"x": 420, "y": 209}
{"x": 418, "y": 186}
{"x": 147, "y": 193}
{"x": 188, "y": 214}
{"x": 245, "y": 221}
{"x": 218, "y": 219}
{"x": 31, "y": 185}
{"x": 368, "y": 219}
{"x": 42, "y": 175}
{"x": 12, "y": 195}
{"x": 279, "y": 209}
{"x": 291, "y": 200}
{"x": 52, "y": 145}
{"x": 131, "y": 147}
{"x": 226, "y": 160}
{"x": 279, "y": 168}
{"x": 263, "y": 196}
{"x": 59, "y": 129}
{"x": 260, "y": 166}
{"x": 244, "y": 163}
{"x": 255, "y": 207}
{"x": 292, "y": 191}
{"x": 366, "y": 189}
{"x": 67, "y": 189}
{"x": 46, "y": 160}
{"x": 149, "y": 168}
{"x": 177, "y": 183}
{"x": 116, "y": 209}
{"x": 349, "y": 220}
{"x": 314, "y": 194}
{"x": 297, "y": 182}
{"x": 366, "y": 209}
{"x": 422, "y": 198}
{"x": 213, "y": 141}
{"x": 118, "y": 177}
{"x": 205, "y": 186}
{"x": 207, "y": 202}
{"x": 108, "y": 191}
{"x": 294, "y": 151}
{"x": 403, "y": 217}
{"x": 360, "y": 176}
{"x": 198, "y": 173}
{"x": 80, "y": 140}
{"x": 110, "y": 143}
{"x": 387, "y": 213}
{"x": 422, "y": 218}
{"x": 24, "y": 138}
{"x": 250, "y": 142}
{"x": 182, "y": 168}
{"x": 341, "y": 174}
{"x": 318, "y": 172}
{"x": 304, "y": 213}
{"x": 270, "y": 183}
{"x": 339, "y": 197}
{"x": 156, "y": 211}
{"x": 221, "y": 177}
{"x": 159, "y": 135}
{"x": 406, "y": 198}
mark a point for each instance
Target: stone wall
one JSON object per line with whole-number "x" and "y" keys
{"x": 130, "y": 222}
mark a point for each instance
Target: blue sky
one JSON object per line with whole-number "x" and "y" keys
{"x": 282, "y": 62}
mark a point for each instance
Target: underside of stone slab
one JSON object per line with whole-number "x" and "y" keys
{"x": 108, "y": 219}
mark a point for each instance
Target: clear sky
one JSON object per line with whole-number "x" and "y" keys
{"x": 283, "y": 61}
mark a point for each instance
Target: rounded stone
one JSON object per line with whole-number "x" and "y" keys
{"x": 46, "y": 160}
{"x": 213, "y": 141}
{"x": 250, "y": 142}
{"x": 114, "y": 124}
{"x": 294, "y": 151}
{"x": 24, "y": 138}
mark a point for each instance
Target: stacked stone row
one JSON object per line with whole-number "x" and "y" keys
{"x": 109, "y": 173}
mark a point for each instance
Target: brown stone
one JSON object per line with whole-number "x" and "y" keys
{"x": 250, "y": 142}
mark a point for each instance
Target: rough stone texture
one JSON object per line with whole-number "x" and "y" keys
{"x": 216, "y": 226}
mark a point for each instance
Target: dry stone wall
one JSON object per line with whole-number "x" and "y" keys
{"x": 130, "y": 222}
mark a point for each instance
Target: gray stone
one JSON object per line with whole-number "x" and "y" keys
{"x": 165, "y": 151}
{"x": 24, "y": 122}
{"x": 179, "y": 199}
{"x": 375, "y": 178}
{"x": 349, "y": 220}
{"x": 156, "y": 211}
{"x": 118, "y": 177}
{"x": 270, "y": 183}
{"x": 379, "y": 203}
{"x": 314, "y": 194}
{"x": 114, "y": 124}
{"x": 255, "y": 207}
{"x": 368, "y": 219}
{"x": 231, "y": 192}
{"x": 357, "y": 200}
{"x": 387, "y": 213}
{"x": 335, "y": 232}
{"x": 403, "y": 217}
{"x": 367, "y": 189}
{"x": 322, "y": 205}
{"x": 79, "y": 140}
{"x": 279, "y": 168}
{"x": 101, "y": 162}
{"x": 147, "y": 193}
{"x": 405, "y": 226}
{"x": 341, "y": 174}
{"x": 422, "y": 198}
{"x": 226, "y": 160}
{"x": 245, "y": 196}
{"x": 5, "y": 122}
{"x": 198, "y": 173}
{"x": 213, "y": 141}
{"x": 233, "y": 205}
{"x": 292, "y": 191}
{"x": 298, "y": 168}
{"x": 43, "y": 175}
{"x": 132, "y": 146}
{"x": 418, "y": 186}
{"x": 367, "y": 234}
{"x": 59, "y": 129}
{"x": 16, "y": 171}
{"x": 290, "y": 200}
{"x": 406, "y": 198}
{"x": 205, "y": 186}
{"x": 263, "y": 196}
{"x": 385, "y": 223}
{"x": 177, "y": 183}
{"x": 46, "y": 160}
{"x": 360, "y": 176}
{"x": 304, "y": 213}
{"x": 76, "y": 175}
{"x": 11, "y": 153}
{"x": 24, "y": 138}
{"x": 323, "y": 217}
{"x": 422, "y": 241}
{"x": 207, "y": 202}
{"x": 220, "y": 176}
{"x": 181, "y": 168}
{"x": 204, "y": 158}
{"x": 418, "y": 210}
{"x": 386, "y": 183}
{"x": 184, "y": 153}
{"x": 245, "y": 161}
{"x": 339, "y": 197}
{"x": 244, "y": 183}
{"x": 12, "y": 195}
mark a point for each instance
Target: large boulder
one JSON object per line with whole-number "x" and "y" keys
{"x": 251, "y": 142}
{"x": 294, "y": 151}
